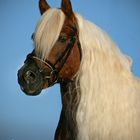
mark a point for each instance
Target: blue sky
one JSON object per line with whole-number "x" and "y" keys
{"x": 24, "y": 117}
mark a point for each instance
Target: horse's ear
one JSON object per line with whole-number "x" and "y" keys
{"x": 43, "y": 6}
{"x": 66, "y": 7}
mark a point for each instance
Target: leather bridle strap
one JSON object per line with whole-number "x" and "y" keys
{"x": 64, "y": 56}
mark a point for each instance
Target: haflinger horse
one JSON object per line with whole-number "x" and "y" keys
{"x": 100, "y": 95}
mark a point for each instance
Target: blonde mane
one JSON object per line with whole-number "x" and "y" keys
{"x": 109, "y": 107}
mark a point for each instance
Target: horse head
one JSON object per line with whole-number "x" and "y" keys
{"x": 57, "y": 32}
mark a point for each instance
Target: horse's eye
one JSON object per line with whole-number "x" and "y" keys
{"x": 62, "y": 39}
{"x": 33, "y": 36}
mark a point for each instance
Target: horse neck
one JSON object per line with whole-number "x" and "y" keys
{"x": 67, "y": 127}
{"x": 69, "y": 95}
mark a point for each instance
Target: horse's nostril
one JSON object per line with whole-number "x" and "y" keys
{"x": 29, "y": 77}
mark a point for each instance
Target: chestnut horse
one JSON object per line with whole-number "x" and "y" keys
{"x": 100, "y": 95}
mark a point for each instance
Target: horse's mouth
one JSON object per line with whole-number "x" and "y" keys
{"x": 30, "y": 92}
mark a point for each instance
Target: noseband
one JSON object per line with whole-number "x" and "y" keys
{"x": 54, "y": 72}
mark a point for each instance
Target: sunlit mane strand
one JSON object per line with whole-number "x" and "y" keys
{"x": 47, "y": 31}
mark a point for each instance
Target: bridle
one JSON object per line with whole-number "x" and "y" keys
{"x": 55, "y": 72}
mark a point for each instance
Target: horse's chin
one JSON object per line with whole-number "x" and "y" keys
{"x": 30, "y": 92}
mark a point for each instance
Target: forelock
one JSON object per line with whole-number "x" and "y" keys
{"x": 47, "y": 31}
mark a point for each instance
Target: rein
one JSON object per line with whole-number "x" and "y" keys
{"x": 54, "y": 72}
